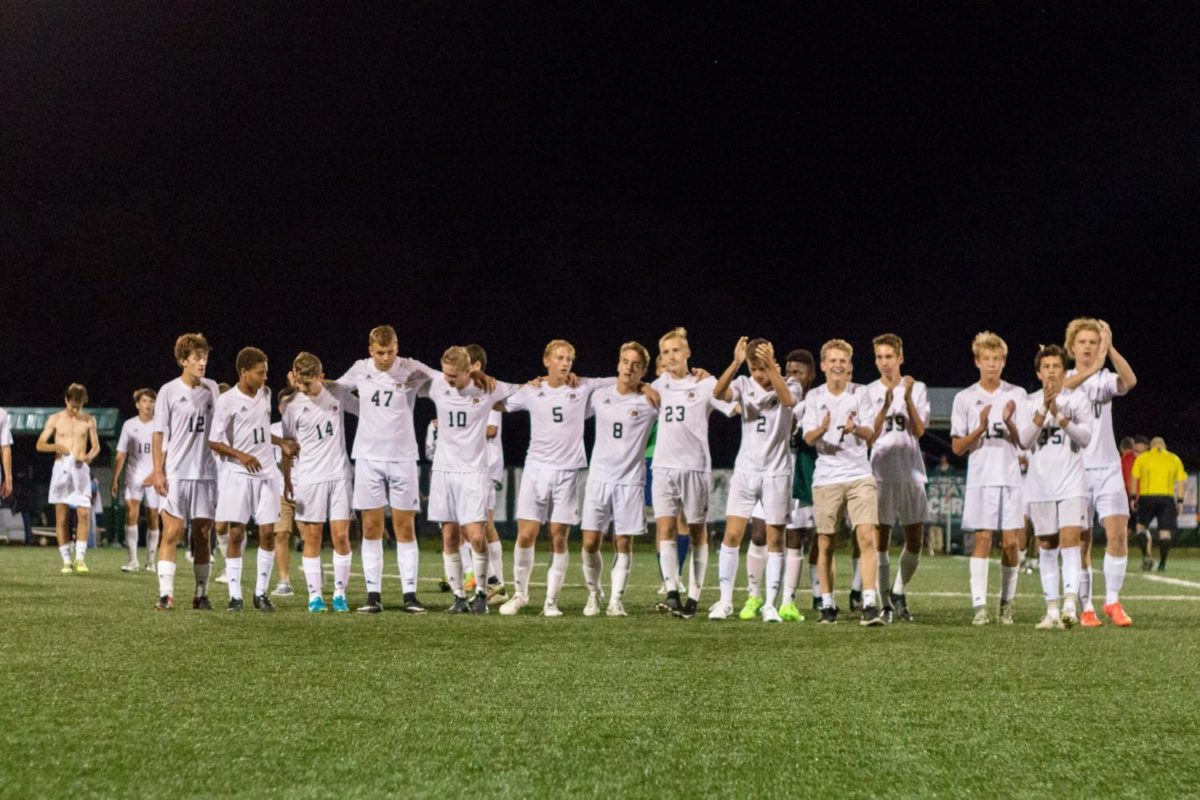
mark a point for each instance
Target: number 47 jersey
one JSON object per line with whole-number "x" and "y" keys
{"x": 385, "y": 408}
{"x": 994, "y": 461}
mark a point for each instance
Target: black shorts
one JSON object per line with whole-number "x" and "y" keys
{"x": 1157, "y": 506}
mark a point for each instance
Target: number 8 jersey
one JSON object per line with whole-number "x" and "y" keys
{"x": 623, "y": 423}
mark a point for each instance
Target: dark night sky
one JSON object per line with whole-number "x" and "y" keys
{"x": 290, "y": 176}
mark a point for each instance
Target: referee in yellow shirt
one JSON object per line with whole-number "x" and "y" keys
{"x": 1158, "y": 480}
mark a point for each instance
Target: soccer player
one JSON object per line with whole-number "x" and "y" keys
{"x": 1055, "y": 486}
{"x": 185, "y": 470}
{"x": 763, "y": 470}
{"x": 75, "y": 444}
{"x": 617, "y": 476}
{"x": 286, "y": 523}
{"x": 836, "y": 422}
{"x": 250, "y": 485}
{"x": 6, "y": 440}
{"x": 136, "y": 459}
{"x": 385, "y": 461}
{"x": 319, "y": 480}
{"x": 984, "y": 422}
{"x": 1158, "y": 484}
{"x": 1089, "y": 342}
{"x": 495, "y": 580}
{"x": 801, "y": 529}
{"x": 901, "y": 416}
{"x": 682, "y": 466}
{"x": 549, "y": 491}
{"x": 459, "y": 484}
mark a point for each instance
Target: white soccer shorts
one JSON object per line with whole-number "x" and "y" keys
{"x": 902, "y": 502}
{"x": 1051, "y": 516}
{"x": 71, "y": 482}
{"x": 146, "y": 495}
{"x": 993, "y": 508}
{"x": 382, "y": 483}
{"x": 459, "y": 497}
{"x": 676, "y": 490}
{"x": 800, "y": 517}
{"x": 323, "y": 501}
{"x": 619, "y": 505}
{"x": 768, "y": 495}
{"x": 190, "y": 500}
{"x": 243, "y": 496}
{"x": 1106, "y": 487}
{"x": 549, "y": 495}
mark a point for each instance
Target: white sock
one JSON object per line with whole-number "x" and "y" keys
{"x": 479, "y": 562}
{"x": 856, "y": 580}
{"x": 592, "y": 564}
{"x": 1114, "y": 577}
{"x": 341, "y": 572}
{"x": 555, "y": 576}
{"x": 1048, "y": 571}
{"x": 408, "y": 559}
{"x": 1052, "y": 610}
{"x": 668, "y": 561}
{"x": 64, "y": 550}
{"x": 223, "y": 545}
{"x": 908, "y": 566}
{"x": 756, "y": 562}
{"x": 233, "y": 569}
{"x": 869, "y": 598}
{"x": 522, "y": 568}
{"x": 1008, "y": 583}
{"x": 151, "y": 545}
{"x": 827, "y": 600}
{"x": 883, "y": 573}
{"x": 452, "y": 564}
{"x": 372, "y": 561}
{"x": 1085, "y": 589}
{"x": 131, "y": 542}
{"x": 774, "y": 575}
{"x": 814, "y": 580}
{"x": 620, "y": 575}
{"x": 81, "y": 549}
{"x": 979, "y": 581}
{"x": 727, "y": 566}
{"x": 166, "y": 577}
{"x": 698, "y": 555}
{"x": 312, "y": 576}
{"x": 263, "y": 563}
{"x": 792, "y": 561}
{"x": 496, "y": 561}
{"x": 464, "y": 552}
{"x": 1071, "y": 569}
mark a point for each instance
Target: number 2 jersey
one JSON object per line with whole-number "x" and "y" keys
{"x": 318, "y": 424}
{"x": 993, "y": 462}
{"x": 184, "y": 415}
{"x": 244, "y": 423}
{"x": 766, "y": 427}
{"x": 1055, "y": 456}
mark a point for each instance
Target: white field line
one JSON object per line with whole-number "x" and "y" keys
{"x": 1173, "y": 581}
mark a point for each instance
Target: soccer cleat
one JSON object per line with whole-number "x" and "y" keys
{"x": 460, "y": 606}
{"x": 81, "y": 567}
{"x": 790, "y": 613}
{"x": 1050, "y": 623}
{"x": 720, "y": 611}
{"x": 263, "y": 603}
{"x": 771, "y": 614}
{"x": 132, "y": 566}
{"x": 901, "y": 605}
{"x": 201, "y": 603}
{"x": 1118, "y": 616}
{"x": 66, "y": 569}
{"x": 443, "y": 585}
{"x": 828, "y": 615}
{"x": 1162, "y": 567}
{"x": 816, "y": 604}
{"x": 317, "y": 606}
{"x": 981, "y": 616}
{"x": 1088, "y": 619}
{"x": 1069, "y": 618}
{"x": 856, "y": 603}
{"x": 662, "y": 589}
{"x": 283, "y": 590}
{"x": 1006, "y": 613}
{"x": 412, "y": 605}
{"x": 551, "y": 609}
{"x": 871, "y": 617}
{"x": 165, "y": 603}
{"x": 496, "y": 593}
{"x": 469, "y": 583}
{"x": 673, "y": 604}
{"x": 339, "y": 604}
{"x": 223, "y": 577}
{"x": 374, "y": 604}
{"x": 235, "y": 604}
{"x": 1147, "y": 564}
{"x": 888, "y": 614}
{"x": 151, "y": 566}
{"x": 689, "y": 609}
{"x": 615, "y": 609}
{"x": 592, "y": 609}
{"x": 479, "y": 603}
{"x": 749, "y": 611}
{"x": 513, "y": 605}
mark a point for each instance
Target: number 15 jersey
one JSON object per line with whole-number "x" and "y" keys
{"x": 993, "y": 462}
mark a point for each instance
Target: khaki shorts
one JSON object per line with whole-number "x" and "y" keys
{"x": 832, "y": 501}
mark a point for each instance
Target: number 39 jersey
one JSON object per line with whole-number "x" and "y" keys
{"x": 623, "y": 424}
{"x": 556, "y": 415}
{"x": 1055, "y": 457}
{"x": 183, "y": 416}
{"x": 244, "y": 423}
{"x": 994, "y": 461}
{"x": 318, "y": 424}
{"x": 385, "y": 408}
{"x": 896, "y": 453}
{"x": 682, "y": 440}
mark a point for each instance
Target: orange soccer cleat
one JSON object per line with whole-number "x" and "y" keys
{"x": 1118, "y": 616}
{"x": 1088, "y": 619}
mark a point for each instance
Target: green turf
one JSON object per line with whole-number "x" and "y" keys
{"x": 104, "y": 697}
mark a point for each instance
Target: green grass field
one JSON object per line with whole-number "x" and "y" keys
{"x": 104, "y": 697}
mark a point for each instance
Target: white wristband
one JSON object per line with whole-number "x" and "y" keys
{"x": 1043, "y": 411}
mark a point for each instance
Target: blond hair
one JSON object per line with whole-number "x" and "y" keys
{"x": 190, "y": 343}
{"x": 1075, "y": 326}
{"x": 557, "y": 343}
{"x": 889, "y": 340}
{"x": 674, "y": 333}
{"x": 1158, "y": 443}
{"x": 986, "y": 340}
{"x": 837, "y": 344}
{"x": 456, "y": 357}
{"x": 636, "y": 347}
{"x": 307, "y": 366}
{"x": 382, "y": 335}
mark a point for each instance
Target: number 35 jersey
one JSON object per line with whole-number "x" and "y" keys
{"x": 896, "y": 453}
{"x": 184, "y": 416}
{"x": 1055, "y": 457}
{"x": 385, "y": 408}
{"x": 318, "y": 424}
{"x": 994, "y": 461}
{"x": 623, "y": 424}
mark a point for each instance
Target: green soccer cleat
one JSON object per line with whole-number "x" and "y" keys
{"x": 751, "y": 609}
{"x": 81, "y": 568}
{"x": 66, "y": 570}
{"x": 790, "y": 613}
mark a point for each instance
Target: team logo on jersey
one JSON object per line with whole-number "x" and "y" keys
{"x": 474, "y": 401}
{"x": 691, "y": 395}
{"x": 607, "y": 401}
{"x": 333, "y": 408}
{"x": 978, "y": 403}
{"x": 571, "y": 396}
{"x": 633, "y": 413}
{"x": 182, "y": 400}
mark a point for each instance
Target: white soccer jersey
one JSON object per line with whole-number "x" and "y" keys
{"x": 766, "y": 427}
{"x": 6, "y": 439}
{"x": 495, "y": 446}
{"x": 896, "y": 453}
{"x": 994, "y": 461}
{"x": 841, "y": 457}
{"x": 244, "y": 423}
{"x": 276, "y": 450}
{"x": 385, "y": 408}
{"x": 183, "y": 416}
{"x": 556, "y": 416}
{"x": 137, "y": 443}
{"x": 623, "y": 424}
{"x": 318, "y": 424}
{"x": 1100, "y": 389}
{"x": 682, "y": 441}
{"x": 1055, "y": 457}
{"x": 462, "y": 415}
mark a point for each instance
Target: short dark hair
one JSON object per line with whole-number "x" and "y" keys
{"x": 250, "y": 357}
{"x": 477, "y": 353}
{"x": 1127, "y": 443}
{"x": 1140, "y": 439}
{"x": 802, "y": 357}
{"x": 1049, "y": 351}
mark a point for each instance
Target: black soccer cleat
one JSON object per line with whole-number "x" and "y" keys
{"x": 856, "y": 603}
{"x": 888, "y": 614}
{"x": 235, "y": 604}
{"x": 263, "y": 603}
{"x": 201, "y": 603}
{"x": 443, "y": 585}
{"x": 817, "y": 604}
{"x": 871, "y": 617}
{"x": 460, "y": 606}
{"x": 688, "y": 611}
{"x": 374, "y": 604}
{"x": 479, "y": 604}
{"x": 828, "y": 615}
{"x": 901, "y": 605}
{"x": 673, "y": 605}
{"x": 412, "y": 605}
{"x": 165, "y": 603}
